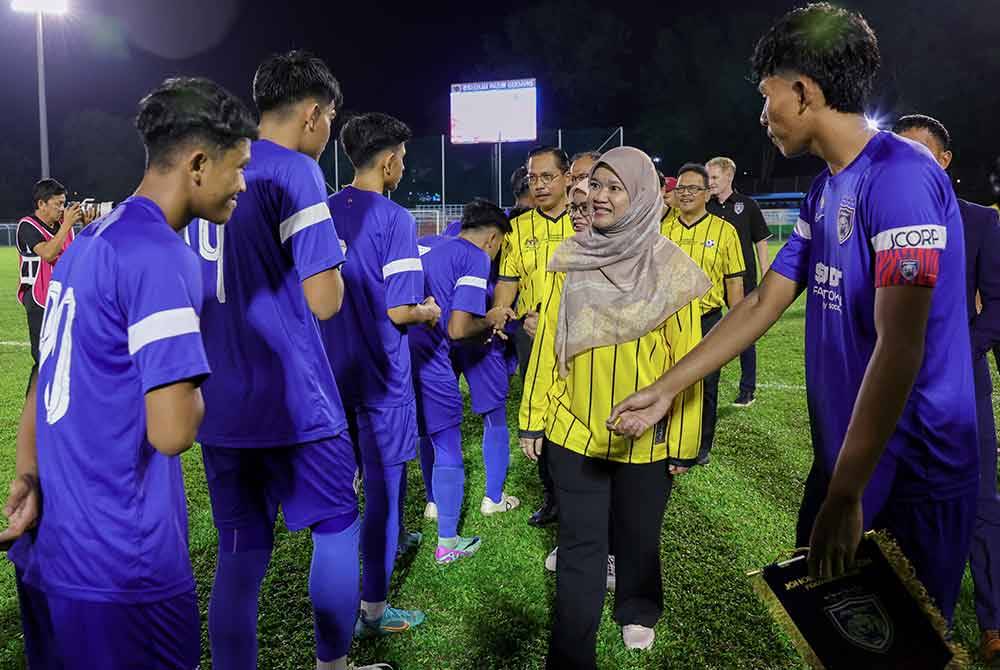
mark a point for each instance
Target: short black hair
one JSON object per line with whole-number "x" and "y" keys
{"x": 365, "y": 136}
{"x": 833, "y": 46}
{"x": 289, "y": 78}
{"x": 45, "y": 189}
{"x": 592, "y": 155}
{"x": 519, "y": 181}
{"x": 186, "y": 109}
{"x": 928, "y": 123}
{"x": 562, "y": 160}
{"x": 482, "y": 213}
{"x": 694, "y": 167}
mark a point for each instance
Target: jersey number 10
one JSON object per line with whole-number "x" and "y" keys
{"x": 211, "y": 252}
{"x": 60, "y": 310}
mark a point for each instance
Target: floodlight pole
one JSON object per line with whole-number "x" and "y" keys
{"x": 500, "y": 170}
{"x": 621, "y": 136}
{"x": 559, "y": 136}
{"x": 444, "y": 200}
{"x": 43, "y": 125}
{"x": 336, "y": 166}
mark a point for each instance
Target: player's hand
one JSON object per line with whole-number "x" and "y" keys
{"x": 677, "y": 469}
{"x": 531, "y": 323}
{"x": 72, "y": 215}
{"x": 640, "y": 411}
{"x": 23, "y": 506}
{"x": 532, "y": 447}
{"x": 432, "y": 311}
{"x": 499, "y": 316}
{"x": 835, "y": 536}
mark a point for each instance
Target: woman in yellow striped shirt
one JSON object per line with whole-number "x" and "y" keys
{"x": 619, "y": 308}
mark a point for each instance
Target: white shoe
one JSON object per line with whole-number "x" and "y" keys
{"x": 376, "y": 666}
{"x": 506, "y": 504}
{"x": 431, "y": 511}
{"x": 638, "y": 637}
{"x": 611, "y": 572}
{"x": 550, "y": 560}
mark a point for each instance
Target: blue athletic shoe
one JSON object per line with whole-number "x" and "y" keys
{"x": 392, "y": 621}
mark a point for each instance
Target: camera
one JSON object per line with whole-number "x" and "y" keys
{"x": 92, "y": 209}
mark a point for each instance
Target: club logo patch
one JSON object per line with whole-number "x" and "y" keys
{"x": 738, "y": 208}
{"x": 845, "y": 221}
{"x": 909, "y": 269}
{"x": 532, "y": 243}
{"x": 863, "y": 623}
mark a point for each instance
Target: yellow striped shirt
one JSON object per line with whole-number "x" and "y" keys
{"x": 715, "y": 246}
{"x": 526, "y": 253}
{"x": 572, "y": 412}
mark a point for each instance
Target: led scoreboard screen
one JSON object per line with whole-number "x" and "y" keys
{"x": 494, "y": 111}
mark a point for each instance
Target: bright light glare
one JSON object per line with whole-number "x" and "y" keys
{"x": 43, "y": 6}
{"x": 872, "y": 123}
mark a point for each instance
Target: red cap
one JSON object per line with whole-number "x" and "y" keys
{"x": 669, "y": 184}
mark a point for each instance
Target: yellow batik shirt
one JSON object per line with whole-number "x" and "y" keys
{"x": 572, "y": 412}
{"x": 714, "y": 245}
{"x": 526, "y": 253}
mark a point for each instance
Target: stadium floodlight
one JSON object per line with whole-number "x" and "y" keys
{"x": 40, "y": 8}
{"x": 873, "y": 123}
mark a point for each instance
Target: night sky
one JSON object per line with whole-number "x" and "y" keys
{"x": 673, "y": 71}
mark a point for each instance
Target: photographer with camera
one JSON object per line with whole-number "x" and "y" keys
{"x": 42, "y": 238}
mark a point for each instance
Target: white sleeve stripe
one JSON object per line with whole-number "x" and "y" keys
{"x": 302, "y": 219}
{"x": 402, "y": 265}
{"x": 803, "y": 229}
{"x": 911, "y": 237}
{"x": 161, "y": 326}
{"x": 469, "y": 280}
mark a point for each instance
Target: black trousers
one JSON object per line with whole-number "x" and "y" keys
{"x": 522, "y": 344}
{"x": 710, "y": 401}
{"x": 636, "y": 496}
{"x": 748, "y": 359}
{"x": 35, "y": 316}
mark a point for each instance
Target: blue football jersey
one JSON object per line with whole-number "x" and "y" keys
{"x": 370, "y": 355}
{"x": 888, "y": 219}
{"x": 456, "y": 273}
{"x": 122, "y": 319}
{"x": 273, "y": 385}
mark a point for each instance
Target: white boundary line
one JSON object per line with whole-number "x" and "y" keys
{"x": 14, "y": 344}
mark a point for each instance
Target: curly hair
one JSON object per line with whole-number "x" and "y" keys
{"x": 833, "y": 46}
{"x": 188, "y": 109}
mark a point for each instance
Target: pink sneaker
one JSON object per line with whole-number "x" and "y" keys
{"x": 466, "y": 547}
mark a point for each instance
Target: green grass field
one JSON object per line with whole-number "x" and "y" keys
{"x": 493, "y": 611}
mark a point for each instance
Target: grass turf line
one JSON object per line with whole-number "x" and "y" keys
{"x": 493, "y": 610}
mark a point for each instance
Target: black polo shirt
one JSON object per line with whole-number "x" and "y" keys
{"x": 744, "y": 213}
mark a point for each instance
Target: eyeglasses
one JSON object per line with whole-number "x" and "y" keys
{"x": 693, "y": 190}
{"x": 544, "y": 179}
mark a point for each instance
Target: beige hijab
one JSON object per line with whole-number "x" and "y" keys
{"x": 624, "y": 281}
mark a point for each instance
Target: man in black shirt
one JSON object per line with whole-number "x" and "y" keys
{"x": 745, "y": 215}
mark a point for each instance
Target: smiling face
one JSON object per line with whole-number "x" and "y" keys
{"x": 608, "y": 199}
{"x": 691, "y": 194}
{"x": 214, "y": 194}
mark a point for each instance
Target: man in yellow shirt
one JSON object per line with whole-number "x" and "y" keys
{"x": 715, "y": 246}
{"x": 525, "y": 254}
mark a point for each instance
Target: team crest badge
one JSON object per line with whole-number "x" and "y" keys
{"x": 532, "y": 243}
{"x": 845, "y": 221}
{"x": 738, "y": 208}
{"x": 863, "y": 623}
{"x": 908, "y": 269}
